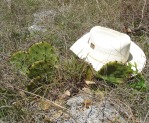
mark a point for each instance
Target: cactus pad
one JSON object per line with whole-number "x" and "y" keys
{"x": 115, "y": 72}
{"x": 41, "y": 68}
{"x": 20, "y": 60}
{"x": 42, "y": 51}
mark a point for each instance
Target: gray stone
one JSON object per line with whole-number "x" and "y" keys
{"x": 35, "y": 28}
{"x": 103, "y": 112}
{"x": 75, "y": 101}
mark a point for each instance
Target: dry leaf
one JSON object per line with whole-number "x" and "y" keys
{"x": 87, "y": 103}
{"x": 44, "y": 104}
{"x": 90, "y": 82}
{"x": 67, "y": 93}
{"x": 22, "y": 94}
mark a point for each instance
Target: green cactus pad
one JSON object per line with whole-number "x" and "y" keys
{"x": 19, "y": 59}
{"x": 41, "y": 51}
{"x": 115, "y": 72}
{"x": 41, "y": 68}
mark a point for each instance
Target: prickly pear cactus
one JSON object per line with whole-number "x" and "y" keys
{"x": 41, "y": 51}
{"x": 115, "y": 72}
{"x": 38, "y": 63}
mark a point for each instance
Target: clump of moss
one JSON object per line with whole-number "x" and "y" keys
{"x": 115, "y": 72}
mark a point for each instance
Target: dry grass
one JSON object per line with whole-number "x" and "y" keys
{"x": 70, "y": 20}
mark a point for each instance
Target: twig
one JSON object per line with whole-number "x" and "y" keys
{"x": 146, "y": 117}
{"x": 142, "y": 15}
{"x": 98, "y": 4}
